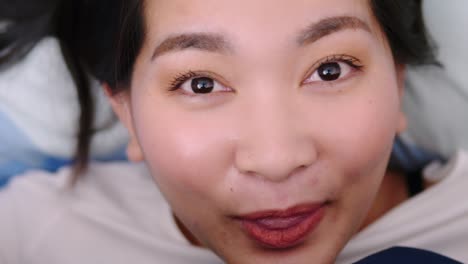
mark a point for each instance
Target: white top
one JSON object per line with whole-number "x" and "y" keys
{"x": 115, "y": 214}
{"x": 436, "y": 219}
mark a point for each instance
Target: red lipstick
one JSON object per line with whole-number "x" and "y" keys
{"x": 281, "y": 229}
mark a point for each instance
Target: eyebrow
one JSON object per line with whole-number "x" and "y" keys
{"x": 329, "y": 26}
{"x": 203, "y": 41}
{"x": 213, "y": 42}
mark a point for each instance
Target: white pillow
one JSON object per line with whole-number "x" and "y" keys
{"x": 39, "y": 97}
{"x": 436, "y": 100}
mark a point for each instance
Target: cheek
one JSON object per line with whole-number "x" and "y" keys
{"x": 370, "y": 131}
{"x": 365, "y": 136}
{"x": 368, "y": 127}
{"x": 185, "y": 152}
{"x": 356, "y": 140}
{"x": 187, "y": 156}
{"x": 357, "y": 136}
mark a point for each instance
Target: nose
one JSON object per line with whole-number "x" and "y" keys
{"x": 275, "y": 142}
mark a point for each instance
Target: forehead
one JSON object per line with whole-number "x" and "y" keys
{"x": 246, "y": 19}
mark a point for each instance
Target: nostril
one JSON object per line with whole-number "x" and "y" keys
{"x": 300, "y": 168}
{"x": 249, "y": 173}
{"x": 275, "y": 172}
{"x": 276, "y": 165}
{"x": 275, "y": 160}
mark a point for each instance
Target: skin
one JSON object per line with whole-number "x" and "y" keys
{"x": 271, "y": 136}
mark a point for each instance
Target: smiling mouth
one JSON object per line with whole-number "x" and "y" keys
{"x": 282, "y": 229}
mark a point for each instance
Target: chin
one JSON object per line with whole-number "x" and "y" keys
{"x": 301, "y": 254}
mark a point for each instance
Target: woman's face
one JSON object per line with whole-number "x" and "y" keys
{"x": 267, "y": 125}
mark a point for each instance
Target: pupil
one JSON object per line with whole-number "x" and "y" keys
{"x": 202, "y": 85}
{"x": 330, "y": 71}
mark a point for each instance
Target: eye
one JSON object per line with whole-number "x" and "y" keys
{"x": 194, "y": 84}
{"x": 334, "y": 69}
{"x": 330, "y": 71}
{"x": 202, "y": 85}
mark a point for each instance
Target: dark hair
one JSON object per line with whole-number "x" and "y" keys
{"x": 103, "y": 38}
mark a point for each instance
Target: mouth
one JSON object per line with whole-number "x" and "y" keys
{"x": 282, "y": 229}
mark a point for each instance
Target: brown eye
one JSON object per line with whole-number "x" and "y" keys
{"x": 332, "y": 71}
{"x": 202, "y": 85}
{"x": 329, "y": 71}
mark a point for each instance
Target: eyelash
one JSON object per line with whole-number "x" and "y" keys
{"x": 180, "y": 79}
{"x": 350, "y": 60}
{"x": 353, "y": 62}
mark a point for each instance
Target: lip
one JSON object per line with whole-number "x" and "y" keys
{"x": 281, "y": 229}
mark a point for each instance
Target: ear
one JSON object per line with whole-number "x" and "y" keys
{"x": 121, "y": 105}
{"x": 401, "y": 77}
